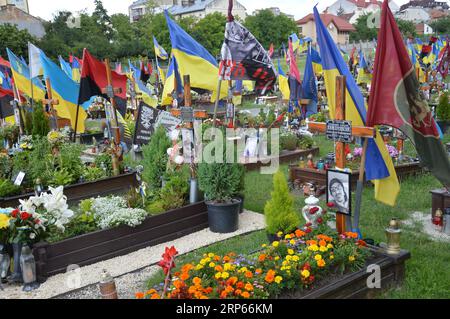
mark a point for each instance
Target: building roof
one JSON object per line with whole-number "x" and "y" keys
{"x": 341, "y": 24}
{"x": 347, "y": 16}
{"x": 425, "y": 4}
{"x": 139, "y": 3}
{"x": 199, "y": 5}
{"x": 437, "y": 14}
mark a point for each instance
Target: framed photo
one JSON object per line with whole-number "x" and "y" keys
{"x": 339, "y": 191}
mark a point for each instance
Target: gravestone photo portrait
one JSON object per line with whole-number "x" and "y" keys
{"x": 339, "y": 190}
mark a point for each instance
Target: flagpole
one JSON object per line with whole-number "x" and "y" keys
{"x": 31, "y": 72}
{"x": 360, "y": 187}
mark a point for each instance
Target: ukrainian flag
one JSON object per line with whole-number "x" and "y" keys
{"x": 316, "y": 61}
{"x": 21, "y": 75}
{"x": 194, "y": 60}
{"x": 169, "y": 86}
{"x": 65, "y": 66}
{"x": 65, "y": 90}
{"x": 76, "y": 70}
{"x": 283, "y": 83}
{"x": 379, "y": 166}
{"x": 159, "y": 50}
{"x": 146, "y": 94}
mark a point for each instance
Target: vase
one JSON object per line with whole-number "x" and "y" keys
{"x": 16, "y": 276}
{"x": 28, "y": 266}
{"x": 5, "y": 261}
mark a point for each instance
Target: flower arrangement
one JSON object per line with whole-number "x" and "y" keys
{"x": 296, "y": 262}
{"x": 26, "y": 143}
{"x": 55, "y": 138}
{"x": 393, "y": 152}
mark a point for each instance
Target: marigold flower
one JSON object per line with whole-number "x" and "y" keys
{"x": 322, "y": 243}
{"x": 249, "y": 287}
{"x": 299, "y": 233}
{"x": 150, "y": 292}
{"x": 229, "y": 289}
{"x": 155, "y": 296}
{"x": 311, "y": 242}
{"x": 270, "y": 276}
{"x": 292, "y": 242}
{"x": 240, "y": 285}
{"x": 218, "y": 275}
{"x": 277, "y": 258}
{"x": 238, "y": 292}
{"x": 226, "y": 259}
{"x": 197, "y": 281}
{"x": 295, "y": 258}
{"x": 216, "y": 258}
{"x": 218, "y": 268}
{"x": 178, "y": 284}
{"x": 361, "y": 243}
{"x": 291, "y": 251}
{"x": 278, "y": 279}
{"x": 227, "y": 267}
{"x": 323, "y": 249}
{"x": 212, "y": 265}
{"x": 331, "y": 257}
{"x": 245, "y": 295}
{"x": 262, "y": 257}
{"x": 305, "y": 273}
{"x": 280, "y": 234}
{"x": 351, "y": 258}
{"x": 313, "y": 248}
{"x": 321, "y": 263}
{"x": 287, "y": 236}
{"x": 184, "y": 276}
{"x": 232, "y": 281}
{"x": 318, "y": 257}
{"x": 275, "y": 244}
{"x": 329, "y": 246}
{"x": 225, "y": 275}
{"x": 248, "y": 274}
{"x": 139, "y": 295}
{"x": 258, "y": 271}
{"x": 223, "y": 295}
{"x": 199, "y": 267}
{"x": 211, "y": 255}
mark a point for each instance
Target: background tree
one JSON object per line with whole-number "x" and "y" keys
{"x": 442, "y": 25}
{"x": 407, "y": 28}
{"x": 363, "y": 31}
{"x": 16, "y": 40}
{"x": 269, "y": 28}
{"x": 210, "y": 31}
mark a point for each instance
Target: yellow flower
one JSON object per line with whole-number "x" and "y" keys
{"x": 323, "y": 249}
{"x": 321, "y": 263}
{"x": 329, "y": 246}
{"x": 351, "y": 258}
{"x": 279, "y": 234}
{"x": 275, "y": 244}
{"x": 4, "y": 221}
{"x": 318, "y": 257}
{"x": 295, "y": 258}
{"x": 291, "y": 251}
{"x": 305, "y": 273}
{"x": 277, "y": 258}
{"x": 243, "y": 269}
{"x": 278, "y": 279}
{"x": 287, "y": 236}
{"x": 288, "y": 258}
{"x": 227, "y": 267}
{"x": 313, "y": 248}
{"x": 292, "y": 242}
{"x": 264, "y": 245}
{"x": 218, "y": 275}
{"x": 285, "y": 263}
{"x": 211, "y": 255}
{"x": 212, "y": 265}
{"x": 203, "y": 262}
{"x": 225, "y": 275}
{"x": 199, "y": 267}
{"x": 331, "y": 257}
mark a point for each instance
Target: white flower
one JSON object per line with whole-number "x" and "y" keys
{"x": 27, "y": 206}
{"x": 169, "y": 151}
{"x": 179, "y": 160}
{"x": 32, "y": 236}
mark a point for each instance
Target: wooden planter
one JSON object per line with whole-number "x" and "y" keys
{"x": 52, "y": 259}
{"x": 319, "y": 177}
{"x": 285, "y": 157}
{"x": 111, "y": 185}
{"x": 440, "y": 199}
{"x": 354, "y": 285}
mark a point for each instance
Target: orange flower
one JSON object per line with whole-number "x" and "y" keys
{"x": 270, "y": 276}
{"x": 311, "y": 242}
{"x": 229, "y": 289}
{"x": 150, "y": 292}
{"x": 232, "y": 281}
{"x": 351, "y": 235}
{"x": 177, "y": 274}
{"x": 139, "y": 295}
{"x": 197, "y": 281}
{"x": 240, "y": 285}
{"x": 155, "y": 296}
{"x": 226, "y": 259}
{"x": 321, "y": 263}
{"x": 322, "y": 243}
{"x": 238, "y": 292}
{"x": 216, "y": 258}
{"x": 184, "y": 276}
{"x": 262, "y": 257}
{"x": 299, "y": 233}
{"x": 186, "y": 268}
{"x": 249, "y": 287}
{"x": 223, "y": 295}
{"x": 248, "y": 274}
{"x": 218, "y": 268}
{"x": 192, "y": 290}
{"x": 258, "y": 271}
{"x": 204, "y": 297}
{"x": 178, "y": 284}
{"x": 245, "y": 295}
{"x": 208, "y": 290}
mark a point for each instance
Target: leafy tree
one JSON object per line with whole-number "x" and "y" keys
{"x": 363, "y": 32}
{"x": 210, "y": 31}
{"x": 442, "y": 25}
{"x": 269, "y": 28}
{"x": 407, "y": 28}
{"x": 279, "y": 210}
{"x": 102, "y": 18}
{"x": 16, "y": 40}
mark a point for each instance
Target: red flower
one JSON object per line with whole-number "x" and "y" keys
{"x": 308, "y": 230}
{"x": 14, "y": 213}
{"x": 361, "y": 243}
{"x": 25, "y": 216}
{"x": 308, "y": 225}
{"x": 330, "y": 205}
{"x": 313, "y": 210}
{"x": 320, "y": 220}
{"x": 37, "y": 221}
{"x": 306, "y": 266}
{"x": 167, "y": 263}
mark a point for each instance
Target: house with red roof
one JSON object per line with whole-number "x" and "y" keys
{"x": 339, "y": 28}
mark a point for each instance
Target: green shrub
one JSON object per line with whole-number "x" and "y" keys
{"x": 92, "y": 174}
{"x": 271, "y": 117}
{"x": 279, "y": 210}
{"x": 173, "y": 194}
{"x": 443, "y": 108}
{"x": 134, "y": 199}
{"x": 288, "y": 142}
{"x": 41, "y": 125}
{"x": 7, "y": 188}
{"x": 155, "y": 158}
{"x": 28, "y": 122}
{"x": 5, "y": 166}
{"x": 306, "y": 143}
{"x": 107, "y": 162}
{"x": 41, "y": 161}
{"x": 69, "y": 159}
{"x": 156, "y": 207}
{"x": 61, "y": 178}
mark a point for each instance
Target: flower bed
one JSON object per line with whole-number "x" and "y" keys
{"x": 285, "y": 157}
{"x": 305, "y": 264}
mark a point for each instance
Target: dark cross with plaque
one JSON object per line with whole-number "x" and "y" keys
{"x": 17, "y": 111}
{"x": 50, "y": 102}
{"x": 341, "y": 132}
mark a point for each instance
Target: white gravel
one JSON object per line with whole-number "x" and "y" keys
{"x": 427, "y": 226}
{"x": 124, "y": 265}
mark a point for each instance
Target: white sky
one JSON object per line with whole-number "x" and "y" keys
{"x": 46, "y": 8}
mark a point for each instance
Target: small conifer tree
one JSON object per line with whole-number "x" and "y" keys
{"x": 41, "y": 125}
{"x": 443, "y": 108}
{"x": 279, "y": 210}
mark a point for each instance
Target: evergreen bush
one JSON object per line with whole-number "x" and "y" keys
{"x": 41, "y": 125}
{"x": 279, "y": 210}
{"x": 443, "y": 109}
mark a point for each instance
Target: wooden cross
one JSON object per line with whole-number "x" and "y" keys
{"x": 16, "y": 106}
{"x": 343, "y": 222}
{"x": 50, "y": 102}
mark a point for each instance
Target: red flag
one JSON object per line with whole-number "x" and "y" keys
{"x": 150, "y": 68}
{"x": 94, "y": 81}
{"x": 396, "y": 98}
{"x": 271, "y": 50}
{"x": 292, "y": 61}
{"x": 5, "y": 63}
{"x": 445, "y": 60}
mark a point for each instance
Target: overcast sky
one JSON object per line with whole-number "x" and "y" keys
{"x": 46, "y": 8}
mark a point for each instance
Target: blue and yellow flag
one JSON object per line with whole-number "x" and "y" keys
{"x": 194, "y": 60}
{"x": 159, "y": 50}
{"x": 364, "y": 74}
{"x": 316, "y": 61}
{"x": 65, "y": 66}
{"x": 309, "y": 88}
{"x": 65, "y": 90}
{"x": 283, "y": 83}
{"x": 21, "y": 75}
{"x": 173, "y": 76}
{"x": 379, "y": 166}
{"x": 141, "y": 88}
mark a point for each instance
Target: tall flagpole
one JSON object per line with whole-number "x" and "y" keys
{"x": 31, "y": 72}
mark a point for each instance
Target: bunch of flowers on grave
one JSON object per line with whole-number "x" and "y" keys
{"x": 5, "y": 218}
{"x": 38, "y": 216}
{"x": 298, "y": 261}
{"x": 26, "y": 142}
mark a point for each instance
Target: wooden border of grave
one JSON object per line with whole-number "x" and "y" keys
{"x": 285, "y": 157}
{"x": 76, "y": 192}
{"x": 354, "y": 285}
{"x": 52, "y": 259}
{"x": 319, "y": 177}
{"x": 440, "y": 199}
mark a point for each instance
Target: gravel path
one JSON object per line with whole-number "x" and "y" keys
{"x": 427, "y": 226}
{"x": 130, "y": 270}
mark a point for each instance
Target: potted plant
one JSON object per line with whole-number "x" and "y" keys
{"x": 221, "y": 182}
{"x": 443, "y": 112}
{"x": 279, "y": 210}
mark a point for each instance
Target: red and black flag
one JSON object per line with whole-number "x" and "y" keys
{"x": 94, "y": 82}
{"x": 443, "y": 67}
{"x": 145, "y": 73}
{"x": 244, "y": 58}
{"x": 396, "y": 99}
{"x": 6, "y": 109}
